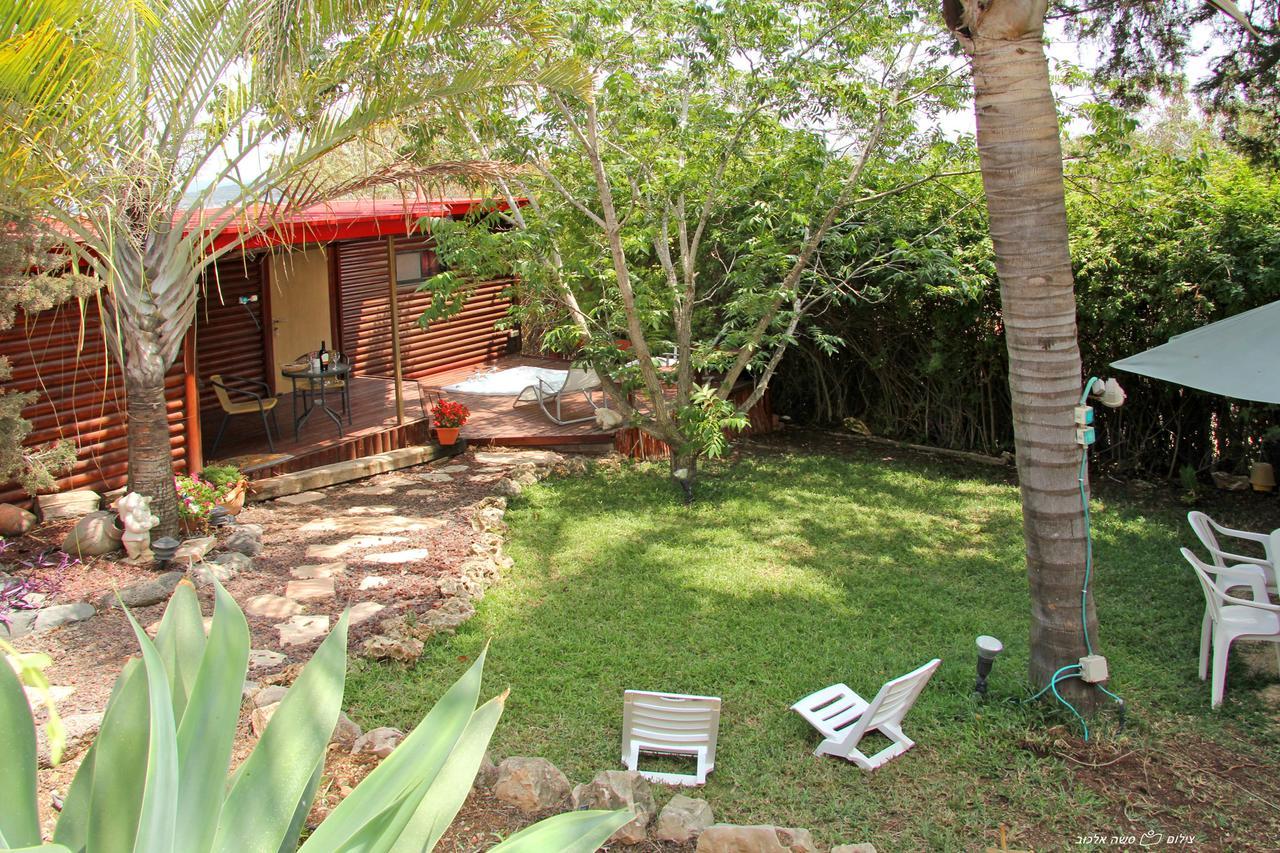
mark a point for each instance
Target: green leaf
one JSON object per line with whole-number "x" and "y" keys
{"x": 73, "y": 822}
{"x": 436, "y": 810}
{"x": 19, "y": 818}
{"x": 157, "y": 826}
{"x": 273, "y": 782}
{"x": 571, "y": 832}
{"x": 418, "y": 758}
{"x": 119, "y": 771}
{"x": 181, "y": 643}
{"x": 290, "y": 842}
{"x": 208, "y": 729}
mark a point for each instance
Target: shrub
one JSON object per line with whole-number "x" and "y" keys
{"x": 224, "y": 478}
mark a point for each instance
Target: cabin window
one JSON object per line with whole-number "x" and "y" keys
{"x": 413, "y": 268}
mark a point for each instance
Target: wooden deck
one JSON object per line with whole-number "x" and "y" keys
{"x": 374, "y": 428}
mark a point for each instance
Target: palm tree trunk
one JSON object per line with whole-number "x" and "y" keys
{"x": 150, "y": 459}
{"x": 1021, "y": 160}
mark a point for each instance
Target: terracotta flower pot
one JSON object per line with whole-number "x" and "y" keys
{"x": 233, "y": 501}
{"x": 447, "y": 435}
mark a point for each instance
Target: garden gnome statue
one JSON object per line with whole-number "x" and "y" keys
{"x": 135, "y": 514}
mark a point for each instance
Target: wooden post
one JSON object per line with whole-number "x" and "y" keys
{"x": 395, "y": 328}
{"x": 191, "y": 404}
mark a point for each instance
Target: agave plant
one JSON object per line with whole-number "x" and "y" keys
{"x": 157, "y": 778}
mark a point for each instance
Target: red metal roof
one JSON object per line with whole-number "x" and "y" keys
{"x": 341, "y": 220}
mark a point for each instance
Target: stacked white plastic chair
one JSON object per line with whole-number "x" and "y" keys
{"x": 1207, "y": 531}
{"x": 843, "y": 717}
{"x": 670, "y": 724}
{"x": 1232, "y": 618}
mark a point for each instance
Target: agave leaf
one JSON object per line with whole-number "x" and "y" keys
{"x": 181, "y": 644}
{"x": 208, "y": 729}
{"x": 416, "y": 760}
{"x": 157, "y": 825}
{"x": 19, "y": 820}
{"x": 274, "y": 780}
{"x": 1230, "y": 8}
{"x": 571, "y": 832}
{"x": 290, "y": 842}
{"x": 73, "y": 822}
{"x": 119, "y": 771}
{"x": 436, "y": 810}
{"x": 40, "y": 848}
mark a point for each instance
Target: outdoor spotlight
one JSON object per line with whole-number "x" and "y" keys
{"x": 988, "y": 648}
{"x": 163, "y": 549}
{"x": 1112, "y": 394}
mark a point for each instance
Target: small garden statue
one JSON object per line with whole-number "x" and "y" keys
{"x": 135, "y": 514}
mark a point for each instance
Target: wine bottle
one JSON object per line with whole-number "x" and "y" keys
{"x": 324, "y": 357}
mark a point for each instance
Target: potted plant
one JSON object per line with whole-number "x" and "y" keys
{"x": 231, "y": 485}
{"x": 196, "y": 499}
{"x": 448, "y": 417}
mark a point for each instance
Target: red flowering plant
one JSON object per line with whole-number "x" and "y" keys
{"x": 448, "y": 414}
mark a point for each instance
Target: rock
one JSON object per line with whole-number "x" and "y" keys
{"x": 145, "y": 593}
{"x": 364, "y": 611}
{"x": 618, "y": 789}
{"x": 300, "y": 630}
{"x": 508, "y": 488}
{"x": 245, "y": 539}
{"x": 373, "y": 525}
{"x": 48, "y": 618}
{"x": 235, "y": 560}
{"x": 204, "y": 573}
{"x": 336, "y": 550}
{"x": 683, "y": 819}
{"x": 436, "y": 477}
{"x": 15, "y": 521}
{"x": 193, "y": 550}
{"x": 373, "y": 582}
{"x": 261, "y": 716}
{"x": 346, "y": 732}
{"x": 489, "y": 520}
{"x": 20, "y": 624}
{"x": 487, "y": 774}
{"x": 269, "y": 695}
{"x": 451, "y": 613}
{"x": 380, "y": 742}
{"x": 265, "y": 659}
{"x": 93, "y": 535}
{"x": 530, "y": 784}
{"x": 248, "y": 689}
{"x": 301, "y": 498}
{"x": 72, "y": 504}
{"x": 314, "y": 589}
{"x": 454, "y": 469}
{"x": 864, "y": 847}
{"x": 462, "y": 586}
{"x": 607, "y": 420}
{"x": 524, "y": 478}
{"x": 517, "y": 457}
{"x": 317, "y": 570}
{"x": 382, "y": 647}
{"x": 80, "y": 730}
{"x": 728, "y": 838}
{"x": 1230, "y": 482}
{"x": 271, "y": 606}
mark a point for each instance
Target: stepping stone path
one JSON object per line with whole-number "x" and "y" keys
{"x": 193, "y": 550}
{"x": 436, "y": 477}
{"x": 364, "y": 611}
{"x": 300, "y": 630}
{"x": 327, "y": 553}
{"x": 318, "y": 570}
{"x": 265, "y": 659}
{"x": 454, "y": 469}
{"x": 411, "y": 555}
{"x": 373, "y": 582}
{"x": 372, "y": 525}
{"x": 302, "y": 498}
{"x": 271, "y": 606}
{"x": 312, "y": 589}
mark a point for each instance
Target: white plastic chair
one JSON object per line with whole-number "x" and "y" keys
{"x": 670, "y": 724}
{"x": 1233, "y": 618}
{"x": 843, "y": 717}
{"x": 1207, "y": 530}
{"x": 576, "y": 381}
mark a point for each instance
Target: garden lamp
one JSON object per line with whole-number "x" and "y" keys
{"x": 163, "y": 549}
{"x": 220, "y": 516}
{"x": 988, "y": 649}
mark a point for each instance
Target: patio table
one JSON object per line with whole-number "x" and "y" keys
{"x": 314, "y": 397}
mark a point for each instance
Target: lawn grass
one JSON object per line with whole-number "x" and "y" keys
{"x": 793, "y": 571}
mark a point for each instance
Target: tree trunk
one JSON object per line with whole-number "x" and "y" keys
{"x": 684, "y": 470}
{"x": 150, "y": 460}
{"x": 1021, "y": 160}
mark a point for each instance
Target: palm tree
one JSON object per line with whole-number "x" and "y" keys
{"x": 1021, "y": 160}
{"x": 182, "y": 97}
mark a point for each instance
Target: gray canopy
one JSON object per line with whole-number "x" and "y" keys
{"x": 1236, "y": 357}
